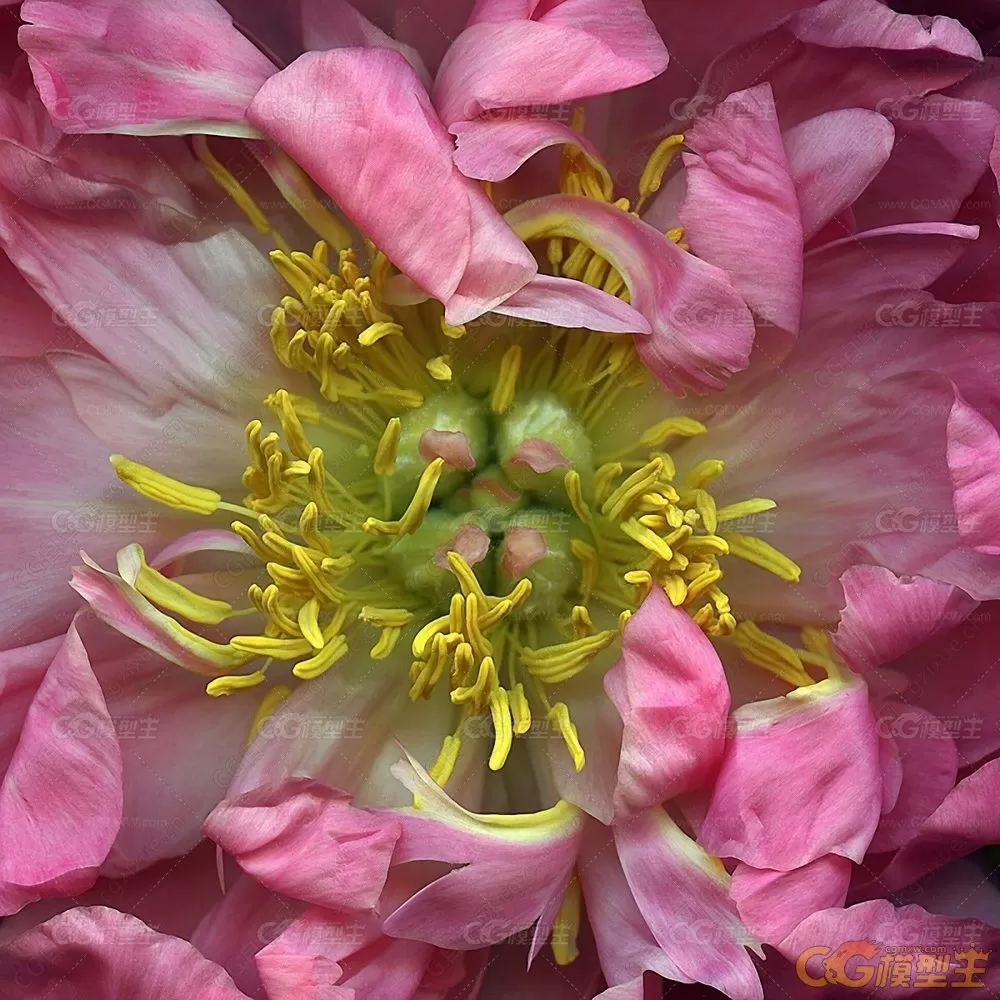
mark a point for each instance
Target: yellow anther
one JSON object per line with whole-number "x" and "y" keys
{"x": 604, "y": 477}
{"x": 817, "y": 640}
{"x": 647, "y": 538}
{"x": 675, "y": 588}
{"x": 502, "y": 728}
{"x": 574, "y": 490}
{"x": 270, "y": 703}
{"x": 755, "y": 550}
{"x": 298, "y": 280}
{"x": 234, "y": 682}
{"x": 278, "y": 649}
{"x": 704, "y": 503}
{"x": 456, "y": 613}
{"x": 701, "y": 583}
{"x": 423, "y": 639}
{"x": 170, "y": 492}
{"x": 452, "y": 332}
{"x": 623, "y": 619}
{"x": 480, "y": 644}
{"x": 168, "y": 593}
{"x": 702, "y": 545}
{"x": 704, "y": 472}
{"x": 386, "y": 617}
{"x": 631, "y": 489}
{"x": 374, "y": 333}
{"x": 771, "y": 653}
{"x": 317, "y": 482}
{"x": 280, "y": 402}
{"x": 385, "y": 453}
{"x": 656, "y": 166}
{"x": 319, "y": 664}
{"x": 558, "y": 714}
{"x": 566, "y": 926}
{"x": 442, "y": 768}
{"x": 499, "y": 611}
{"x": 589, "y": 565}
{"x": 518, "y": 595}
{"x": 466, "y": 578}
{"x": 414, "y": 514}
{"x": 440, "y": 368}
{"x": 309, "y": 530}
{"x": 520, "y": 709}
{"x": 485, "y": 684}
{"x": 642, "y": 580}
{"x": 506, "y": 383}
{"x": 659, "y": 433}
{"x": 583, "y": 624}
{"x": 308, "y": 622}
{"x": 555, "y": 664}
{"x": 745, "y": 508}
{"x": 386, "y": 643}
{"x": 465, "y": 659}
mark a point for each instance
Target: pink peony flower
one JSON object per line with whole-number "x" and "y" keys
{"x": 615, "y": 436}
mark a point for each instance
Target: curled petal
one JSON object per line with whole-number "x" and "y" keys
{"x": 360, "y": 122}
{"x": 702, "y": 330}
{"x": 142, "y": 67}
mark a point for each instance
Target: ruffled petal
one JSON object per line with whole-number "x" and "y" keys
{"x": 575, "y": 49}
{"x": 138, "y": 67}
{"x": 821, "y": 745}
{"x": 61, "y": 797}
{"x": 974, "y": 461}
{"x": 741, "y": 212}
{"x": 671, "y": 692}
{"x": 702, "y": 329}
{"x": 771, "y": 903}
{"x": 832, "y": 159}
{"x": 95, "y": 951}
{"x": 379, "y": 150}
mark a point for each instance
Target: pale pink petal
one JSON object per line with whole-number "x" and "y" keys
{"x": 678, "y": 887}
{"x": 832, "y": 159}
{"x": 575, "y": 49}
{"x": 61, "y": 797}
{"x": 821, "y": 740}
{"x": 564, "y": 302}
{"x": 965, "y": 821}
{"x": 209, "y": 540}
{"x": 702, "y": 329}
{"x": 491, "y": 148}
{"x": 973, "y": 458}
{"x": 98, "y": 952}
{"x": 929, "y": 765}
{"x": 772, "y": 903}
{"x": 137, "y": 67}
{"x": 848, "y": 944}
{"x": 671, "y": 692}
{"x": 886, "y": 616}
{"x": 336, "y": 24}
{"x": 380, "y": 151}
{"x": 506, "y": 881}
{"x": 306, "y": 840}
{"x": 741, "y": 212}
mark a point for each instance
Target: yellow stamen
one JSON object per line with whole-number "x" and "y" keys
{"x": 385, "y": 454}
{"x": 566, "y": 927}
{"x": 235, "y": 682}
{"x": 760, "y": 553}
{"x": 169, "y": 492}
{"x": 656, "y": 166}
{"x": 506, "y": 384}
{"x": 269, "y": 705}
{"x": 559, "y": 715}
{"x": 502, "y": 728}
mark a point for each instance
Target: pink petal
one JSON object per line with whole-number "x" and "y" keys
{"x": 702, "y": 329}
{"x": 470, "y": 542}
{"x": 929, "y": 763}
{"x": 21, "y": 672}
{"x": 452, "y": 446}
{"x": 305, "y": 840}
{"x": 539, "y": 455}
{"x": 822, "y": 743}
{"x": 886, "y": 616}
{"x": 848, "y": 944}
{"x": 61, "y": 797}
{"x": 671, "y": 692}
{"x": 135, "y": 66}
{"x": 522, "y": 548}
{"x": 575, "y": 49}
{"x": 504, "y": 881}
{"x": 965, "y": 821}
{"x": 353, "y": 146}
{"x": 564, "y": 302}
{"x": 741, "y": 212}
{"x": 209, "y": 540}
{"x": 832, "y": 159}
{"x": 98, "y": 952}
{"x": 773, "y": 903}
{"x": 492, "y": 148}
{"x": 973, "y": 455}
{"x": 677, "y": 885}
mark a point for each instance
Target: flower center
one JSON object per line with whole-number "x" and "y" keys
{"x": 467, "y": 492}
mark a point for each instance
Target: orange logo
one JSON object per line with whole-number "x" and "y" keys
{"x": 862, "y": 963}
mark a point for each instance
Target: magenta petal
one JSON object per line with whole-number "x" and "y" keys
{"x": 702, "y": 329}
{"x": 974, "y": 461}
{"x": 671, "y": 692}
{"x": 306, "y": 840}
{"x": 61, "y": 798}
{"x": 379, "y": 150}
{"x": 741, "y": 212}
{"x": 832, "y": 159}
{"x": 96, "y": 952}
{"x": 677, "y": 885}
{"x": 140, "y": 66}
{"x": 886, "y": 616}
{"x": 821, "y": 742}
{"x": 773, "y": 903}
{"x": 575, "y": 49}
